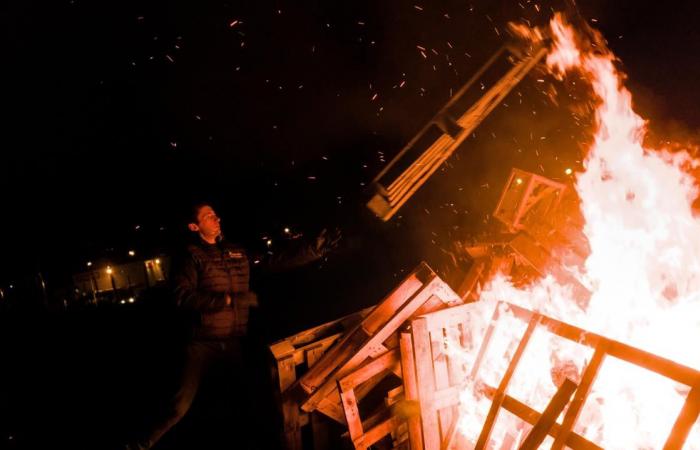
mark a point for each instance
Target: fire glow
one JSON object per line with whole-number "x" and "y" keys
{"x": 643, "y": 273}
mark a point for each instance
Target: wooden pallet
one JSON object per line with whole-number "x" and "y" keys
{"x": 290, "y": 356}
{"x": 420, "y": 292}
{"x": 436, "y": 142}
{"x": 439, "y": 380}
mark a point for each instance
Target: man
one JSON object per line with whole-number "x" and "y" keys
{"x": 212, "y": 282}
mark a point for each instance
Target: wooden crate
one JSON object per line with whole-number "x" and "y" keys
{"x": 527, "y": 198}
{"x": 298, "y": 353}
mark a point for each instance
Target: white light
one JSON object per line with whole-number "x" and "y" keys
{"x": 286, "y": 230}
{"x": 157, "y": 260}
{"x": 519, "y": 180}
{"x": 89, "y": 263}
{"x": 269, "y": 242}
{"x": 109, "y": 270}
{"x": 568, "y": 171}
{"x": 131, "y": 299}
{"x": 132, "y": 253}
{"x": 123, "y": 302}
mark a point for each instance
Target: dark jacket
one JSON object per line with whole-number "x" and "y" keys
{"x": 207, "y": 272}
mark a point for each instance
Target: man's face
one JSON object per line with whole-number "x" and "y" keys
{"x": 208, "y": 223}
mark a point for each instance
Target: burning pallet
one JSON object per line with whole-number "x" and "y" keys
{"x": 417, "y": 332}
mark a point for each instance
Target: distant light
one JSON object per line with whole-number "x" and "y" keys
{"x": 132, "y": 253}
{"x": 131, "y": 299}
{"x": 137, "y": 227}
{"x": 157, "y": 260}
{"x": 568, "y": 171}
{"x": 11, "y": 286}
{"x": 123, "y": 302}
{"x": 519, "y": 180}
{"x": 89, "y": 263}
{"x": 286, "y": 230}
{"x": 109, "y": 270}
{"x": 269, "y": 242}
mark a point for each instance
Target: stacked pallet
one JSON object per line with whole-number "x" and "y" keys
{"x": 418, "y": 335}
{"x": 348, "y": 359}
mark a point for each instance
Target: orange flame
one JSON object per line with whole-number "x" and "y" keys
{"x": 643, "y": 272}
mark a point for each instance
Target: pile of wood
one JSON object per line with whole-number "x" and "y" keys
{"x": 385, "y": 374}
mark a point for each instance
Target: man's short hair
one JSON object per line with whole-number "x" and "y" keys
{"x": 193, "y": 212}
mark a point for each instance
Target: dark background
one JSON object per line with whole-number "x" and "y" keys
{"x": 117, "y": 114}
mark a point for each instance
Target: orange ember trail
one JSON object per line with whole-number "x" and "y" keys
{"x": 643, "y": 272}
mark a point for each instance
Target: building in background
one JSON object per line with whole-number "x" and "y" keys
{"x": 120, "y": 283}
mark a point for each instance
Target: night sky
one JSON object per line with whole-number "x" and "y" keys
{"x": 117, "y": 114}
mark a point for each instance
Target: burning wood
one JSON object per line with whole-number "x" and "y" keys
{"x": 600, "y": 280}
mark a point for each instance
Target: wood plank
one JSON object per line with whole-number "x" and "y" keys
{"x": 425, "y": 379}
{"x": 448, "y": 317}
{"x": 291, "y": 425}
{"x": 281, "y": 349}
{"x": 381, "y": 430}
{"x": 554, "y": 408}
{"x": 352, "y": 414}
{"x": 331, "y": 407}
{"x": 368, "y": 370}
{"x": 410, "y": 385}
{"x": 314, "y": 354}
{"x": 286, "y": 372}
{"x": 300, "y": 354}
{"x": 500, "y": 393}
{"x": 440, "y": 369}
{"x": 685, "y": 421}
{"x": 486, "y": 343}
{"x": 456, "y": 377}
{"x": 589, "y": 376}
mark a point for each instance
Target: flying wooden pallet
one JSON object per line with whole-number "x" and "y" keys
{"x": 424, "y": 154}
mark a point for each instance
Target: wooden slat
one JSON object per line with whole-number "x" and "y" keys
{"x": 448, "y": 317}
{"x": 286, "y": 372}
{"x": 554, "y": 408}
{"x": 486, "y": 343}
{"x": 410, "y": 385}
{"x": 589, "y": 376}
{"x": 352, "y": 415}
{"x": 442, "y": 381}
{"x": 367, "y": 371}
{"x": 685, "y": 421}
{"x": 456, "y": 375}
{"x": 500, "y": 393}
{"x": 426, "y": 384}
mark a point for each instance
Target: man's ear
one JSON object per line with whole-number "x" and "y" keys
{"x": 193, "y": 227}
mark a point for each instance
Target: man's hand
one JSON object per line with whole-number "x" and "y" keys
{"x": 327, "y": 241}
